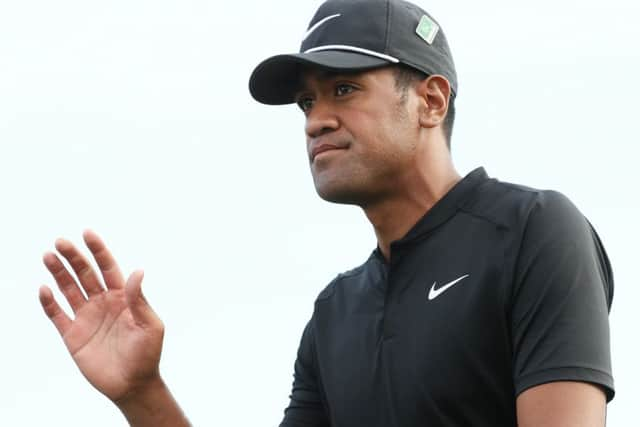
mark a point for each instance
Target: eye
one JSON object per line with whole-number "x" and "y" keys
{"x": 305, "y": 103}
{"x": 344, "y": 89}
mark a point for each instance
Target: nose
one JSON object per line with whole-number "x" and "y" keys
{"x": 321, "y": 119}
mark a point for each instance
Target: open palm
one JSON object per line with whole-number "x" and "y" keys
{"x": 115, "y": 338}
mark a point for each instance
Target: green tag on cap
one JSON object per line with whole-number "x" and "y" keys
{"x": 427, "y": 29}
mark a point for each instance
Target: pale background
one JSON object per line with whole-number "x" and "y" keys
{"x": 133, "y": 118}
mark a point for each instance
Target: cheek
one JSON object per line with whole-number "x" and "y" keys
{"x": 369, "y": 127}
{"x": 394, "y": 129}
{"x": 385, "y": 131}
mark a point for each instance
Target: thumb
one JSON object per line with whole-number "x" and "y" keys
{"x": 142, "y": 312}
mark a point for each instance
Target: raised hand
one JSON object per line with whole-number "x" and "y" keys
{"x": 115, "y": 338}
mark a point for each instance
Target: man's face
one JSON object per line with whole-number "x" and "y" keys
{"x": 361, "y": 134}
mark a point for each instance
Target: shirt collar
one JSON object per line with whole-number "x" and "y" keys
{"x": 444, "y": 208}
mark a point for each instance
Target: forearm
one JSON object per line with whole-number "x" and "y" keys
{"x": 153, "y": 407}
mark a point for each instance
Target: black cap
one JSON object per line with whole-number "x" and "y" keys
{"x": 357, "y": 35}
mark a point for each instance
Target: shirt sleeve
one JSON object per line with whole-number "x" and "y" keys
{"x": 305, "y": 407}
{"x": 562, "y": 295}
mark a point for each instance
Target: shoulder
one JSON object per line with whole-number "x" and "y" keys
{"x": 554, "y": 237}
{"x": 512, "y": 205}
{"x": 352, "y": 279}
{"x": 543, "y": 227}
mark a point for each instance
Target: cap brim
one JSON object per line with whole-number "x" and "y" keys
{"x": 276, "y": 80}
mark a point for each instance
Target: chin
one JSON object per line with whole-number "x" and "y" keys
{"x": 342, "y": 194}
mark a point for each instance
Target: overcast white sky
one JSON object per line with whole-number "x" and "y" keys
{"x": 133, "y": 118}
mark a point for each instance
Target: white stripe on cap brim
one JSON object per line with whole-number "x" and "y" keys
{"x": 353, "y": 49}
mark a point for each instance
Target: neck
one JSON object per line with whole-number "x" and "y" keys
{"x": 392, "y": 218}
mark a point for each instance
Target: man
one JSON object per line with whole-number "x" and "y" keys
{"x": 484, "y": 304}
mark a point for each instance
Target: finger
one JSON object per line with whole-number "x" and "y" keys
{"x": 142, "y": 312}
{"x": 58, "y": 317}
{"x": 108, "y": 267}
{"x": 84, "y": 271}
{"x": 67, "y": 284}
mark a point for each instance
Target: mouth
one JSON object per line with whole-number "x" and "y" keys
{"x": 324, "y": 148}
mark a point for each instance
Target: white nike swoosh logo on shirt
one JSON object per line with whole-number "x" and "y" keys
{"x": 433, "y": 292}
{"x": 318, "y": 24}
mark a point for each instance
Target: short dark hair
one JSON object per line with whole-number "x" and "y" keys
{"x": 406, "y": 76}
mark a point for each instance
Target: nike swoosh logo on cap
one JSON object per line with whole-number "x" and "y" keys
{"x": 318, "y": 24}
{"x": 433, "y": 292}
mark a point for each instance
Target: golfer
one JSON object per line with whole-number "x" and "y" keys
{"x": 484, "y": 303}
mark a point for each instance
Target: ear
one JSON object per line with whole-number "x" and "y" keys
{"x": 434, "y": 94}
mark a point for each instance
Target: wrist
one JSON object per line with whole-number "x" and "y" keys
{"x": 151, "y": 404}
{"x": 141, "y": 392}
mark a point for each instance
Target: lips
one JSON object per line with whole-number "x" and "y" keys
{"x": 321, "y": 148}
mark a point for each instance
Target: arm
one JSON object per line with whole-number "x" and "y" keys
{"x": 562, "y": 404}
{"x": 115, "y": 338}
{"x": 306, "y": 408}
{"x": 562, "y": 295}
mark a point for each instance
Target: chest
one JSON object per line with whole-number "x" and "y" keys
{"x": 426, "y": 331}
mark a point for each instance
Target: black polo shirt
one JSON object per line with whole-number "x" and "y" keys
{"x": 496, "y": 289}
